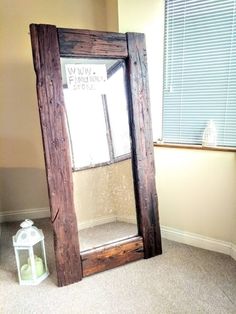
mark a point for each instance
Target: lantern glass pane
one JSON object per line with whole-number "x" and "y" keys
{"x": 25, "y": 268}
{"x": 39, "y": 259}
{"x": 23, "y": 256}
{"x": 38, "y": 250}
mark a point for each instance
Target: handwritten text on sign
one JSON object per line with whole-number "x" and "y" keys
{"x": 86, "y": 77}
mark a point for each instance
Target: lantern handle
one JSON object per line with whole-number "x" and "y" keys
{"x": 27, "y": 223}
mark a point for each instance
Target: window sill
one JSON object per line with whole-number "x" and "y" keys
{"x": 107, "y": 163}
{"x": 199, "y": 147}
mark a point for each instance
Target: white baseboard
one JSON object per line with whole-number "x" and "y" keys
{"x": 33, "y": 213}
{"x": 97, "y": 221}
{"x": 129, "y": 220}
{"x": 198, "y": 240}
{"x": 169, "y": 233}
{"x": 37, "y": 213}
{"x": 193, "y": 239}
{"x": 233, "y": 251}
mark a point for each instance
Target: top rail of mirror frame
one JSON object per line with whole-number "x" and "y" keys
{"x": 96, "y": 44}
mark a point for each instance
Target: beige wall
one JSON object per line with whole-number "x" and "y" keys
{"x": 197, "y": 189}
{"x": 112, "y": 15}
{"x": 104, "y": 192}
{"x": 22, "y": 174}
{"x": 234, "y": 236}
{"x": 146, "y": 16}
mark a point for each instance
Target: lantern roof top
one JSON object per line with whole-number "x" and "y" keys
{"x": 28, "y": 235}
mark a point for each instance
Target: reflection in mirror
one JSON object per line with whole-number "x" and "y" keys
{"x": 97, "y": 115}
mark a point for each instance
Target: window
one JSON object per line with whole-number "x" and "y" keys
{"x": 97, "y": 120}
{"x": 199, "y": 70}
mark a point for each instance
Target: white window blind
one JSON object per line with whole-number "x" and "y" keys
{"x": 200, "y": 70}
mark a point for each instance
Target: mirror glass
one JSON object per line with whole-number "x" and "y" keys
{"x": 97, "y": 117}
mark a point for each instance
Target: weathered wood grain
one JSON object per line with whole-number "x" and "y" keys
{"x": 112, "y": 255}
{"x": 142, "y": 146}
{"x": 56, "y": 149}
{"x": 85, "y": 43}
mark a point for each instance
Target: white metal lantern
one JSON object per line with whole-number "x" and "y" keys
{"x": 30, "y": 254}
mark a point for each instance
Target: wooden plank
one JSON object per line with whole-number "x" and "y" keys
{"x": 56, "y": 150}
{"x": 94, "y": 44}
{"x": 112, "y": 255}
{"x": 142, "y": 146}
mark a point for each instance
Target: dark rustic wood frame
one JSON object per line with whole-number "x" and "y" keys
{"x": 49, "y": 43}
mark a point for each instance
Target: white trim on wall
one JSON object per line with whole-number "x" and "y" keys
{"x": 37, "y": 213}
{"x": 233, "y": 252}
{"x": 96, "y": 222}
{"x": 169, "y": 233}
{"x": 199, "y": 241}
{"x": 18, "y": 215}
{"x": 129, "y": 220}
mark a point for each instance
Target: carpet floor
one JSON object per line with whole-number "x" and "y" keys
{"x": 183, "y": 279}
{"x": 109, "y": 232}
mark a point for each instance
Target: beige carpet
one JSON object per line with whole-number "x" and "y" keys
{"x": 182, "y": 280}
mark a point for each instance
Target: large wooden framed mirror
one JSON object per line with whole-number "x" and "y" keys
{"x": 94, "y": 111}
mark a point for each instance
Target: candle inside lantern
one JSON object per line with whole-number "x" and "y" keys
{"x": 38, "y": 265}
{"x": 26, "y": 269}
{"x": 26, "y": 272}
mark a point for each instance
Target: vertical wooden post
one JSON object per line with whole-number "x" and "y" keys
{"x": 142, "y": 145}
{"x": 56, "y": 149}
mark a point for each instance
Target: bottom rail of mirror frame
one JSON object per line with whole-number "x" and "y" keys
{"x": 112, "y": 255}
